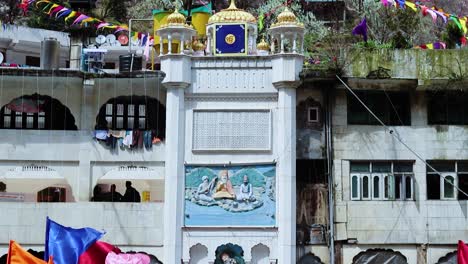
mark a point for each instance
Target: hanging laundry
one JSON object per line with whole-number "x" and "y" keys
{"x": 137, "y": 139}
{"x": 117, "y": 133}
{"x": 147, "y": 140}
{"x": 128, "y": 140}
{"x": 100, "y": 134}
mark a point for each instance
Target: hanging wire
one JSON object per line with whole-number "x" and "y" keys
{"x": 394, "y": 108}
{"x": 146, "y": 102}
{"x": 392, "y": 133}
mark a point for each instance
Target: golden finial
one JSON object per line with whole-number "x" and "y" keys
{"x": 232, "y": 5}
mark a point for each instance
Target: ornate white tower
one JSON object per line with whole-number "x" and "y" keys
{"x": 231, "y": 143}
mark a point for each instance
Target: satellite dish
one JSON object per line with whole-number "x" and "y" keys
{"x": 1, "y": 57}
{"x": 101, "y": 39}
{"x": 110, "y": 38}
{"x": 123, "y": 39}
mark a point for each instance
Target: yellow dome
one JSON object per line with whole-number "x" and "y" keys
{"x": 176, "y": 18}
{"x": 263, "y": 45}
{"x": 287, "y": 16}
{"x": 232, "y": 15}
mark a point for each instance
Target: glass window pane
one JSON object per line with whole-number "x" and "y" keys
{"x": 433, "y": 186}
{"x": 365, "y": 187}
{"x": 141, "y": 123}
{"x": 119, "y": 124}
{"x": 398, "y": 182}
{"x": 131, "y": 110}
{"x": 462, "y": 166}
{"x": 442, "y": 166}
{"x": 130, "y": 122}
{"x": 403, "y": 167}
{"x": 449, "y": 189}
{"x": 7, "y": 111}
{"x": 29, "y": 121}
{"x": 108, "y": 109}
{"x": 360, "y": 167}
{"x": 376, "y": 187}
{"x": 142, "y": 110}
{"x": 120, "y": 109}
{"x": 41, "y": 122}
{"x": 463, "y": 185}
{"x": 408, "y": 187}
{"x": 354, "y": 186}
{"x": 381, "y": 167}
{"x": 386, "y": 186}
{"x": 19, "y": 120}
{"x": 6, "y": 121}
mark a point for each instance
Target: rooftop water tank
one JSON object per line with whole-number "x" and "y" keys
{"x": 50, "y": 54}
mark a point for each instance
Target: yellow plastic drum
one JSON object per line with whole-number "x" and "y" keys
{"x": 199, "y": 21}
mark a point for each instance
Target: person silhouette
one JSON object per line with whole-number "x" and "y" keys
{"x": 131, "y": 194}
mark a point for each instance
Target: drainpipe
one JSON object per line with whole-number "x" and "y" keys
{"x": 329, "y": 145}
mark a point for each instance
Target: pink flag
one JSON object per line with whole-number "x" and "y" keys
{"x": 113, "y": 258}
{"x": 462, "y": 253}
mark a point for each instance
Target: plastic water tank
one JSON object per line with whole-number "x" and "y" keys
{"x": 50, "y": 54}
{"x": 130, "y": 62}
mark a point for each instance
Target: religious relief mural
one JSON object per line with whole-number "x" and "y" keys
{"x": 230, "y": 196}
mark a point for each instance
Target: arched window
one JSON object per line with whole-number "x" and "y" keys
{"x": 131, "y": 113}
{"x": 36, "y": 112}
{"x": 379, "y": 256}
{"x": 376, "y": 187}
{"x": 229, "y": 252}
{"x": 365, "y": 188}
{"x": 198, "y": 254}
{"x": 449, "y": 189}
{"x": 309, "y": 259}
{"x": 260, "y": 254}
{"x": 355, "y": 187}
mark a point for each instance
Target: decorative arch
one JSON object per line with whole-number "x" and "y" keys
{"x": 378, "y": 256}
{"x": 230, "y": 250}
{"x": 309, "y": 258}
{"x": 198, "y": 254}
{"x": 260, "y": 254}
{"x": 36, "y": 112}
{"x": 132, "y": 112}
{"x": 450, "y": 258}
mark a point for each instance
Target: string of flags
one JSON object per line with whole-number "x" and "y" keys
{"x": 434, "y": 12}
{"x": 76, "y": 18}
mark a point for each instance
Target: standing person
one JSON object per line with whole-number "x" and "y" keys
{"x": 115, "y": 196}
{"x": 131, "y": 194}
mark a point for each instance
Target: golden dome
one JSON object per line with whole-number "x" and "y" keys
{"x": 263, "y": 45}
{"x": 176, "y": 18}
{"x": 232, "y": 15}
{"x": 198, "y": 46}
{"x": 287, "y": 18}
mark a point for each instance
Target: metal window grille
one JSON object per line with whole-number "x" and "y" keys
{"x": 232, "y": 130}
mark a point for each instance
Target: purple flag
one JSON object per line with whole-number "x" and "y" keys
{"x": 361, "y": 29}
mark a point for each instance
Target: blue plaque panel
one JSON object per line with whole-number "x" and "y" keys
{"x": 230, "y": 39}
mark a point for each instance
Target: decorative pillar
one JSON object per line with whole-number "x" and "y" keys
{"x": 286, "y": 69}
{"x": 161, "y": 45}
{"x": 169, "y": 44}
{"x": 178, "y": 77}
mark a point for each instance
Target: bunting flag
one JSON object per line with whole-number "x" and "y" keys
{"x": 79, "y": 20}
{"x": 97, "y": 253}
{"x": 462, "y": 253}
{"x": 361, "y": 29}
{"x": 137, "y": 258}
{"x": 431, "y": 46}
{"x": 17, "y": 255}
{"x": 460, "y": 21}
{"x": 66, "y": 244}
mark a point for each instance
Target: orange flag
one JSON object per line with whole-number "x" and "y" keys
{"x": 17, "y": 255}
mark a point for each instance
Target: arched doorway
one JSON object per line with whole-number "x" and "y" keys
{"x": 227, "y": 252}
{"x": 36, "y": 112}
{"x": 379, "y": 256}
{"x": 198, "y": 254}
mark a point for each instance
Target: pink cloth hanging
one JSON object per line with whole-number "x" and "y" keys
{"x": 113, "y": 258}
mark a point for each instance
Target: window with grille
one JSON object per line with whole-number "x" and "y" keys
{"x": 231, "y": 130}
{"x": 382, "y": 181}
{"x": 19, "y": 120}
{"x": 448, "y": 182}
{"x": 126, "y": 116}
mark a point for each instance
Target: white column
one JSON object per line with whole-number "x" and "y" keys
{"x": 286, "y": 172}
{"x": 169, "y": 44}
{"x": 182, "y": 44}
{"x": 295, "y": 43}
{"x": 282, "y": 42}
{"x": 174, "y": 178}
{"x": 161, "y": 45}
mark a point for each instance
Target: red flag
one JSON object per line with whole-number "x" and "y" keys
{"x": 97, "y": 253}
{"x": 462, "y": 253}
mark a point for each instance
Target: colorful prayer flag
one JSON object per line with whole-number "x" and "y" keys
{"x": 462, "y": 253}
{"x": 17, "y": 255}
{"x": 361, "y": 29}
{"x": 66, "y": 244}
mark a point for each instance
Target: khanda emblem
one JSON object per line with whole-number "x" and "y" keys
{"x": 230, "y": 39}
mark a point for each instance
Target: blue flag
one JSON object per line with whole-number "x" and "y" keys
{"x": 66, "y": 244}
